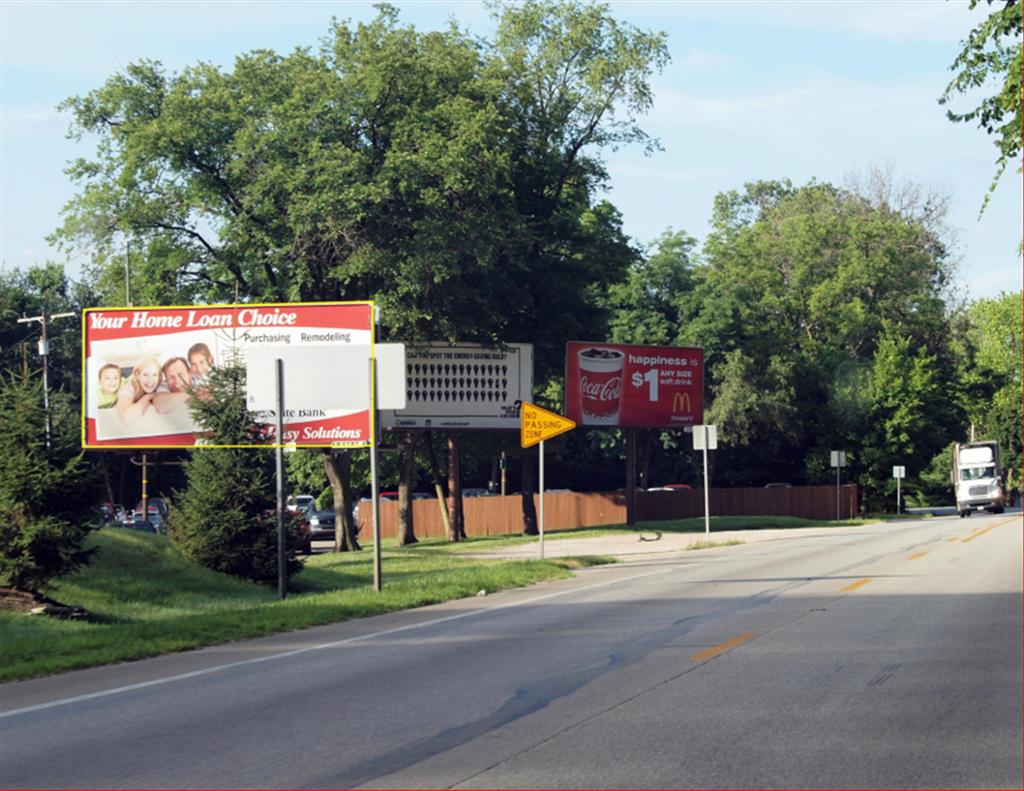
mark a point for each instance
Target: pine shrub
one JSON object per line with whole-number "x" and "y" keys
{"x": 46, "y": 493}
{"x": 224, "y": 520}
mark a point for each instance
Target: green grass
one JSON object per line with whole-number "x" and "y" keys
{"x": 147, "y": 601}
{"x": 718, "y": 524}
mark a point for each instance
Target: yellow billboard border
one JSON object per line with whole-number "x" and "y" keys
{"x": 293, "y": 445}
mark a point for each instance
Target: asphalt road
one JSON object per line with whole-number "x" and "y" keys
{"x": 885, "y": 656}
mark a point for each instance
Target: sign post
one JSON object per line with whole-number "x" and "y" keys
{"x": 536, "y": 425}
{"x": 705, "y": 438}
{"x": 838, "y": 458}
{"x": 282, "y": 578}
{"x": 898, "y": 472}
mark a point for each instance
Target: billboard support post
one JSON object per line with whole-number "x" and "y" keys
{"x": 145, "y": 489}
{"x": 631, "y": 477}
{"x": 374, "y": 483}
{"x": 282, "y": 579}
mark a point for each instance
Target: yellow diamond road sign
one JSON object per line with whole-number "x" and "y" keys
{"x": 537, "y": 425}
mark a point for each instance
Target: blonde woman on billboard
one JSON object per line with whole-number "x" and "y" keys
{"x": 136, "y": 396}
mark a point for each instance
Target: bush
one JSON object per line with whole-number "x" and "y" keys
{"x": 224, "y": 519}
{"x": 46, "y": 493}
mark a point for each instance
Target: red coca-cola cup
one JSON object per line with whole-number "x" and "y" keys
{"x": 600, "y": 372}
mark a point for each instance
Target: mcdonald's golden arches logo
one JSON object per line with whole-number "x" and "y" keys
{"x": 681, "y": 403}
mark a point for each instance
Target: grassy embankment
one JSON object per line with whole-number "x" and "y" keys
{"x": 145, "y": 600}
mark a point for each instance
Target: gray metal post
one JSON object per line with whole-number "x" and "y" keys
{"x": 838, "y": 470}
{"x": 541, "y": 515}
{"x": 378, "y": 582}
{"x": 707, "y": 498}
{"x": 282, "y": 579}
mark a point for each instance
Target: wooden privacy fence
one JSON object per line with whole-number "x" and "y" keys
{"x": 490, "y": 516}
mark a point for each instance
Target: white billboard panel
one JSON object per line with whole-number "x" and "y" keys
{"x": 464, "y": 386}
{"x": 316, "y": 378}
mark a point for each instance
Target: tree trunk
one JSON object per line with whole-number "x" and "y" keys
{"x": 106, "y": 478}
{"x": 646, "y": 451}
{"x": 456, "y": 528}
{"x": 435, "y": 476}
{"x": 529, "y": 484}
{"x": 406, "y": 534}
{"x": 338, "y": 466}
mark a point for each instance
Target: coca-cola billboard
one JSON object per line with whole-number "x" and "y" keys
{"x": 630, "y": 386}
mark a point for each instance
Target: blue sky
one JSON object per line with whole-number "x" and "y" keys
{"x": 756, "y": 90}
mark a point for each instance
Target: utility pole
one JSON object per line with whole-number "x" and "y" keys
{"x": 44, "y": 352}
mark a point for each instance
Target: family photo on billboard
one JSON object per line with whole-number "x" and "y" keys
{"x": 146, "y": 392}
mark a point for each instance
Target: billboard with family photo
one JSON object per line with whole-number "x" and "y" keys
{"x": 619, "y": 385}
{"x": 141, "y": 367}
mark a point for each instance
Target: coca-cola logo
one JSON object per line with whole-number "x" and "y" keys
{"x": 608, "y": 390}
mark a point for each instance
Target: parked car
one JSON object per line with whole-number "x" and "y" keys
{"x": 476, "y": 492}
{"x": 112, "y": 513}
{"x": 157, "y": 504}
{"x": 301, "y": 524}
{"x": 299, "y": 502}
{"x": 136, "y": 522}
{"x": 778, "y": 486}
{"x": 321, "y": 523}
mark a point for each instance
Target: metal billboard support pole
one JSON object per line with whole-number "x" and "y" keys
{"x": 282, "y": 580}
{"x": 374, "y": 484}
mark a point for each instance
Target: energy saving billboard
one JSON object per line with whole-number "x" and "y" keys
{"x": 463, "y": 386}
{"x": 142, "y": 366}
{"x": 616, "y": 385}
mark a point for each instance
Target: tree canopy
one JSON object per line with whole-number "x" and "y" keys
{"x": 992, "y": 54}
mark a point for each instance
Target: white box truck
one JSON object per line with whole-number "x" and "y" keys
{"x": 977, "y": 479}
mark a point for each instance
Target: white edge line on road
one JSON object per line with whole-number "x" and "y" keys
{"x": 296, "y": 652}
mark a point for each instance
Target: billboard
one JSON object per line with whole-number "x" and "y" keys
{"x": 464, "y": 386}
{"x": 142, "y": 366}
{"x": 629, "y": 386}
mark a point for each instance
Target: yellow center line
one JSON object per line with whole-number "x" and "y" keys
{"x": 917, "y": 555}
{"x": 954, "y": 538}
{"x": 721, "y": 648}
{"x": 854, "y": 585}
{"x": 978, "y": 532}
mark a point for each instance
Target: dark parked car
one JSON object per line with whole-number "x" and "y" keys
{"x": 136, "y": 522}
{"x": 321, "y": 523}
{"x": 112, "y": 513}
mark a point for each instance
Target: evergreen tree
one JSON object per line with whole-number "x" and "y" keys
{"x": 224, "y": 519}
{"x": 46, "y": 489}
